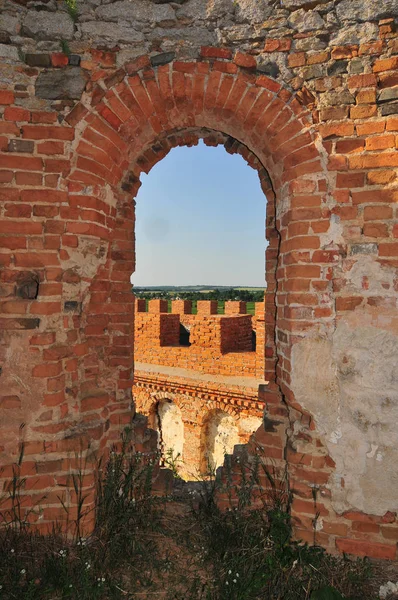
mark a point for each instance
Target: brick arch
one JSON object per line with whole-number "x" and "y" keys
{"x": 131, "y": 120}
{"x": 79, "y": 361}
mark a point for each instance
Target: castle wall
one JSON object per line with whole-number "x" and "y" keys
{"x": 307, "y": 94}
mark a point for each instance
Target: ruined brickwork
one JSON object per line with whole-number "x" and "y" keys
{"x": 307, "y": 93}
{"x": 205, "y": 397}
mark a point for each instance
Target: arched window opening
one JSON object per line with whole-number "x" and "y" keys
{"x": 170, "y": 428}
{"x": 220, "y": 435}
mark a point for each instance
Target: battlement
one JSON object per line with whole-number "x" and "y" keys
{"x": 221, "y": 344}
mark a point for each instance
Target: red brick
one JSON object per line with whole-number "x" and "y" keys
{"x": 360, "y": 81}
{"x": 10, "y": 402}
{"x": 46, "y": 196}
{"x": 47, "y": 370}
{"x": 59, "y": 60}
{"x": 350, "y": 180}
{"x": 6, "y": 97}
{"x": 18, "y": 211}
{"x": 380, "y": 142}
{"x": 36, "y": 259}
{"x": 215, "y": 52}
{"x": 388, "y": 64}
{"x": 44, "y": 117}
{"x": 44, "y": 132}
{"x": 348, "y": 303}
{"x": 375, "y": 230}
{"x": 278, "y": 45}
{"x": 338, "y": 129}
{"x": 28, "y": 178}
{"x": 50, "y": 148}
{"x": 21, "y": 227}
{"x": 15, "y": 113}
{"x": 28, "y": 163}
{"x": 388, "y": 249}
{"x": 363, "y": 111}
{"x": 365, "y": 548}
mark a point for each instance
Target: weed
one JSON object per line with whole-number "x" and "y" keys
{"x": 71, "y": 6}
{"x": 65, "y": 48}
{"x": 232, "y": 541}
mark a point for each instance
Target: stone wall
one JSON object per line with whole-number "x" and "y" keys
{"x": 307, "y": 94}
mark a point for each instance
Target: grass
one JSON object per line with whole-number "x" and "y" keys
{"x": 173, "y": 547}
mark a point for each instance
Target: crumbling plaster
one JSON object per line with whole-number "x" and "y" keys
{"x": 349, "y": 383}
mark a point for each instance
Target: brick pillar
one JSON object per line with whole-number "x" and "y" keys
{"x": 140, "y": 305}
{"x": 259, "y": 309}
{"x": 181, "y": 307}
{"x": 207, "y": 307}
{"x": 233, "y": 307}
{"x": 158, "y": 306}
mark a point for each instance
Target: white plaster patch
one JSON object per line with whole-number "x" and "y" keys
{"x": 350, "y": 385}
{"x": 221, "y": 435}
{"x": 172, "y": 429}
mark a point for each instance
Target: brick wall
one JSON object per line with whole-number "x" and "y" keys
{"x": 219, "y": 345}
{"x": 308, "y": 97}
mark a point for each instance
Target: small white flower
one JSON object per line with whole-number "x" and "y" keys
{"x": 23, "y": 571}
{"x": 229, "y": 572}
{"x": 234, "y": 580}
{"x": 237, "y": 574}
{"x": 226, "y": 583}
{"x": 12, "y": 550}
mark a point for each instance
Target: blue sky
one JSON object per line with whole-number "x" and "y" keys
{"x": 200, "y": 221}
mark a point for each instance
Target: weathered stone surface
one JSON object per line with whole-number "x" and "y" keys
{"x": 139, "y": 10}
{"x": 313, "y": 71}
{"x": 110, "y": 32}
{"x": 237, "y": 33}
{"x": 355, "y": 34}
{"x": 356, "y": 66}
{"x": 310, "y": 43}
{"x": 48, "y": 26}
{"x": 10, "y": 52}
{"x": 193, "y": 9}
{"x": 10, "y": 24}
{"x": 388, "y": 94}
{"x": 294, "y": 4}
{"x": 60, "y": 84}
{"x": 253, "y": 12}
{"x": 38, "y": 60}
{"x": 192, "y": 35}
{"x": 364, "y": 248}
{"x": 302, "y": 20}
{"x": 268, "y": 68}
{"x": 219, "y": 8}
{"x": 338, "y": 67}
{"x": 162, "y": 59}
{"x": 21, "y": 146}
{"x": 389, "y": 109}
{"x": 334, "y": 98}
{"x": 366, "y": 10}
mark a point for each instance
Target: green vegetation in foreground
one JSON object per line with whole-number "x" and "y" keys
{"x": 184, "y": 548}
